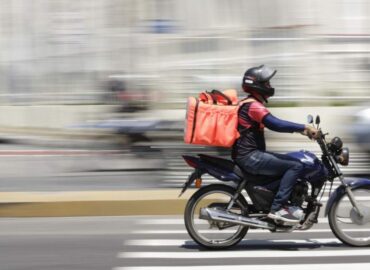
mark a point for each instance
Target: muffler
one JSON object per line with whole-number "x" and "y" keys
{"x": 220, "y": 215}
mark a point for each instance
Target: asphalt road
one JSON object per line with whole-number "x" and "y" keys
{"x": 139, "y": 243}
{"x": 61, "y": 243}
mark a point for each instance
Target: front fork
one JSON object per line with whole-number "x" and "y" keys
{"x": 347, "y": 188}
{"x": 351, "y": 197}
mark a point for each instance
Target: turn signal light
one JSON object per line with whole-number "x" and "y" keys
{"x": 198, "y": 182}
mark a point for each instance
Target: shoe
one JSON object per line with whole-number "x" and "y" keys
{"x": 296, "y": 211}
{"x": 283, "y": 214}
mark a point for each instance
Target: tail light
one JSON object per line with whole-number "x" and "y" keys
{"x": 191, "y": 161}
{"x": 198, "y": 182}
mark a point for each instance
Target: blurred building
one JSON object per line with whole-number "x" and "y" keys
{"x": 62, "y": 51}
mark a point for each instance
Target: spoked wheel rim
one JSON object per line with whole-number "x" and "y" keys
{"x": 215, "y": 233}
{"x": 347, "y": 224}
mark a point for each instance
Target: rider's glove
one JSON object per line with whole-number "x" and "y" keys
{"x": 311, "y": 132}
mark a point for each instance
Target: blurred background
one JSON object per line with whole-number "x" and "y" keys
{"x": 98, "y": 88}
{"x": 93, "y": 96}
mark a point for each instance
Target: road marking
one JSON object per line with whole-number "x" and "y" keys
{"x": 178, "y": 221}
{"x": 228, "y": 231}
{"x": 184, "y": 242}
{"x": 342, "y": 266}
{"x": 246, "y": 254}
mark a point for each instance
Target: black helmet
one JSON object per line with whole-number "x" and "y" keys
{"x": 256, "y": 81}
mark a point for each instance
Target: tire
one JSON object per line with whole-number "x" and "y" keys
{"x": 190, "y": 214}
{"x": 335, "y": 224}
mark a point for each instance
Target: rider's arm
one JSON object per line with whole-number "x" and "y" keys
{"x": 261, "y": 114}
{"x": 276, "y": 124}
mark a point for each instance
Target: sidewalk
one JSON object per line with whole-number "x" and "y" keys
{"x": 93, "y": 203}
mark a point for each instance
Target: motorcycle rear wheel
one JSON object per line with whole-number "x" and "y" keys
{"x": 213, "y": 234}
{"x": 346, "y": 224}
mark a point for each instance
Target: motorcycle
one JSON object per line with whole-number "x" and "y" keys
{"x": 218, "y": 216}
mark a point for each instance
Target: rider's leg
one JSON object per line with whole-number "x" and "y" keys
{"x": 271, "y": 164}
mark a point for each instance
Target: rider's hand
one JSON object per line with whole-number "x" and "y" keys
{"x": 311, "y": 132}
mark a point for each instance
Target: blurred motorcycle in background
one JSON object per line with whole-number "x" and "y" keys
{"x": 361, "y": 128}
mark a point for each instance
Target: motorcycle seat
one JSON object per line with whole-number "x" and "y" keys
{"x": 230, "y": 165}
{"x": 222, "y": 163}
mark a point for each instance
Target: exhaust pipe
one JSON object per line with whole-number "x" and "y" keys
{"x": 220, "y": 215}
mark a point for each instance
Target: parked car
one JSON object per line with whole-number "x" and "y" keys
{"x": 361, "y": 128}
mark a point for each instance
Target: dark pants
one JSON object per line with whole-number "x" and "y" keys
{"x": 272, "y": 164}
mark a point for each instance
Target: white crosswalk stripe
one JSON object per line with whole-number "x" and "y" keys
{"x": 177, "y": 221}
{"x": 181, "y": 242}
{"x": 250, "y": 232}
{"x": 245, "y": 254}
{"x": 357, "y": 266}
{"x": 163, "y": 243}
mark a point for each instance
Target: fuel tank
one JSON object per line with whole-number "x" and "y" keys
{"x": 314, "y": 170}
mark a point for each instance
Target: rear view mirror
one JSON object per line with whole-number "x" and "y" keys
{"x": 309, "y": 119}
{"x": 317, "y": 121}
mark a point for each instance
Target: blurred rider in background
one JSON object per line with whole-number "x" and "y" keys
{"x": 249, "y": 151}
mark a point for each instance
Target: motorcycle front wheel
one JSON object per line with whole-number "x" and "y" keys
{"x": 214, "y": 234}
{"x": 347, "y": 224}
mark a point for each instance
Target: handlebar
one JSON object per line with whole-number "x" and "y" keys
{"x": 327, "y": 153}
{"x": 320, "y": 135}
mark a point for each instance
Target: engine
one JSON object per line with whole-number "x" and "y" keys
{"x": 299, "y": 193}
{"x": 262, "y": 197}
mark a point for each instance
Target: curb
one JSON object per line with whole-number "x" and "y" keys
{"x": 91, "y": 203}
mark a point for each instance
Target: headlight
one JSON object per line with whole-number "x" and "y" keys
{"x": 343, "y": 157}
{"x": 336, "y": 145}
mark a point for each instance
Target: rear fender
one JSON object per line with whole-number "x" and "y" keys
{"x": 194, "y": 162}
{"x": 351, "y": 182}
{"x": 221, "y": 174}
{"x": 204, "y": 167}
{"x": 192, "y": 177}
